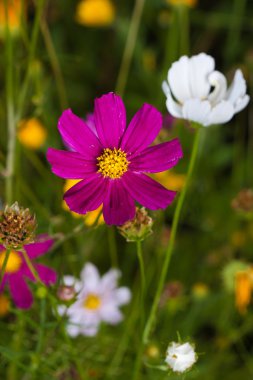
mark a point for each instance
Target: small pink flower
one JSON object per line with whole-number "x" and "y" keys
{"x": 111, "y": 159}
{"x": 17, "y": 271}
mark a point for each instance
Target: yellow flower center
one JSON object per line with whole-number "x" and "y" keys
{"x": 14, "y": 262}
{"x": 112, "y": 163}
{"x": 92, "y": 301}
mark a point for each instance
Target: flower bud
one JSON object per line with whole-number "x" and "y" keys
{"x": 66, "y": 293}
{"x": 17, "y": 227}
{"x": 243, "y": 202}
{"x": 138, "y": 228}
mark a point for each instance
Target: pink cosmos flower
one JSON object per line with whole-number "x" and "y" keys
{"x": 112, "y": 161}
{"x": 17, "y": 271}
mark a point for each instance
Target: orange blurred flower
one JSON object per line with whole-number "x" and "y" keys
{"x": 14, "y": 11}
{"x": 188, "y": 3}
{"x": 243, "y": 290}
{"x": 95, "y": 12}
{"x": 31, "y": 133}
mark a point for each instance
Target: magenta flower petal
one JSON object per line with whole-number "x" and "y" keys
{"x": 110, "y": 165}
{"x": 86, "y": 195}
{"x": 147, "y": 192}
{"x": 142, "y": 130}
{"x": 70, "y": 164}
{"x": 41, "y": 246}
{"x": 78, "y": 136}
{"x": 118, "y": 205}
{"x": 47, "y": 275}
{"x": 21, "y": 294}
{"x": 157, "y": 158}
{"x": 110, "y": 119}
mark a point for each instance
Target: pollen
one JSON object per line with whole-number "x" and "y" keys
{"x": 14, "y": 262}
{"x": 92, "y": 301}
{"x": 112, "y": 163}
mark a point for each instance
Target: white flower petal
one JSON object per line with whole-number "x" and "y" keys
{"x": 241, "y": 103}
{"x": 200, "y": 66}
{"x": 165, "y": 88}
{"x": 237, "y": 88}
{"x": 72, "y": 281}
{"x": 222, "y": 113}
{"x": 61, "y": 309}
{"x": 219, "y": 82}
{"x": 90, "y": 276}
{"x": 178, "y": 78}
{"x": 110, "y": 279}
{"x": 180, "y": 357}
{"x": 196, "y": 110}
{"x": 111, "y": 314}
{"x": 122, "y": 296}
{"x": 173, "y": 107}
{"x": 90, "y": 330}
{"x": 72, "y": 330}
{"x": 190, "y": 81}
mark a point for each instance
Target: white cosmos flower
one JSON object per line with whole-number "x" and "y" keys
{"x": 98, "y": 300}
{"x": 180, "y": 357}
{"x": 196, "y": 91}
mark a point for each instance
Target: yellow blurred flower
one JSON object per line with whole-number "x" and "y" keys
{"x": 200, "y": 290}
{"x": 170, "y": 180}
{"x": 188, "y": 3}
{"x": 95, "y": 12}
{"x": 243, "y": 290}
{"x": 14, "y": 9}
{"x": 152, "y": 351}
{"x": 4, "y": 305}
{"x": 31, "y": 133}
{"x": 91, "y": 217}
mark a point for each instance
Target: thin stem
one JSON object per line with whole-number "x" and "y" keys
{"x": 183, "y": 15}
{"x": 138, "y": 362}
{"x": 18, "y": 339}
{"x": 32, "y": 48}
{"x": 30, "y": 266}
{"x": 10, "y": 160}
{"x": 170, "y": 247}
{"x": 112, "y": 246}
{"x": 234, "y": 32}
{"x": 129, "y": 48}
{"x": 55, "y": 64}
{"x": 142, "y": 270}
{"x": 5, "y": 262}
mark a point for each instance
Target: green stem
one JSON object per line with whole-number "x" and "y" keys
{"x": 10, "y": 160}
{"x": 183, "y": 17}
{"x": 142, "y": 270}
{"x": 55, "y": 64}
{"x": 5, "y": 262}
{"x": 138, "y": 360}
{"x": 18, "y": 339}
{"x": 112, "y": 246}
{"x": 31, "y": 267}
{"x": 129, "y": 48}
{"x": 234, "y": 32}
{"x": 170, "y": 247}
{"x": 31, "y": 54}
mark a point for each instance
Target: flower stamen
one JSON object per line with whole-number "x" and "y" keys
{"x": 92, "y": 301}
{"x": 112, "y": 163}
